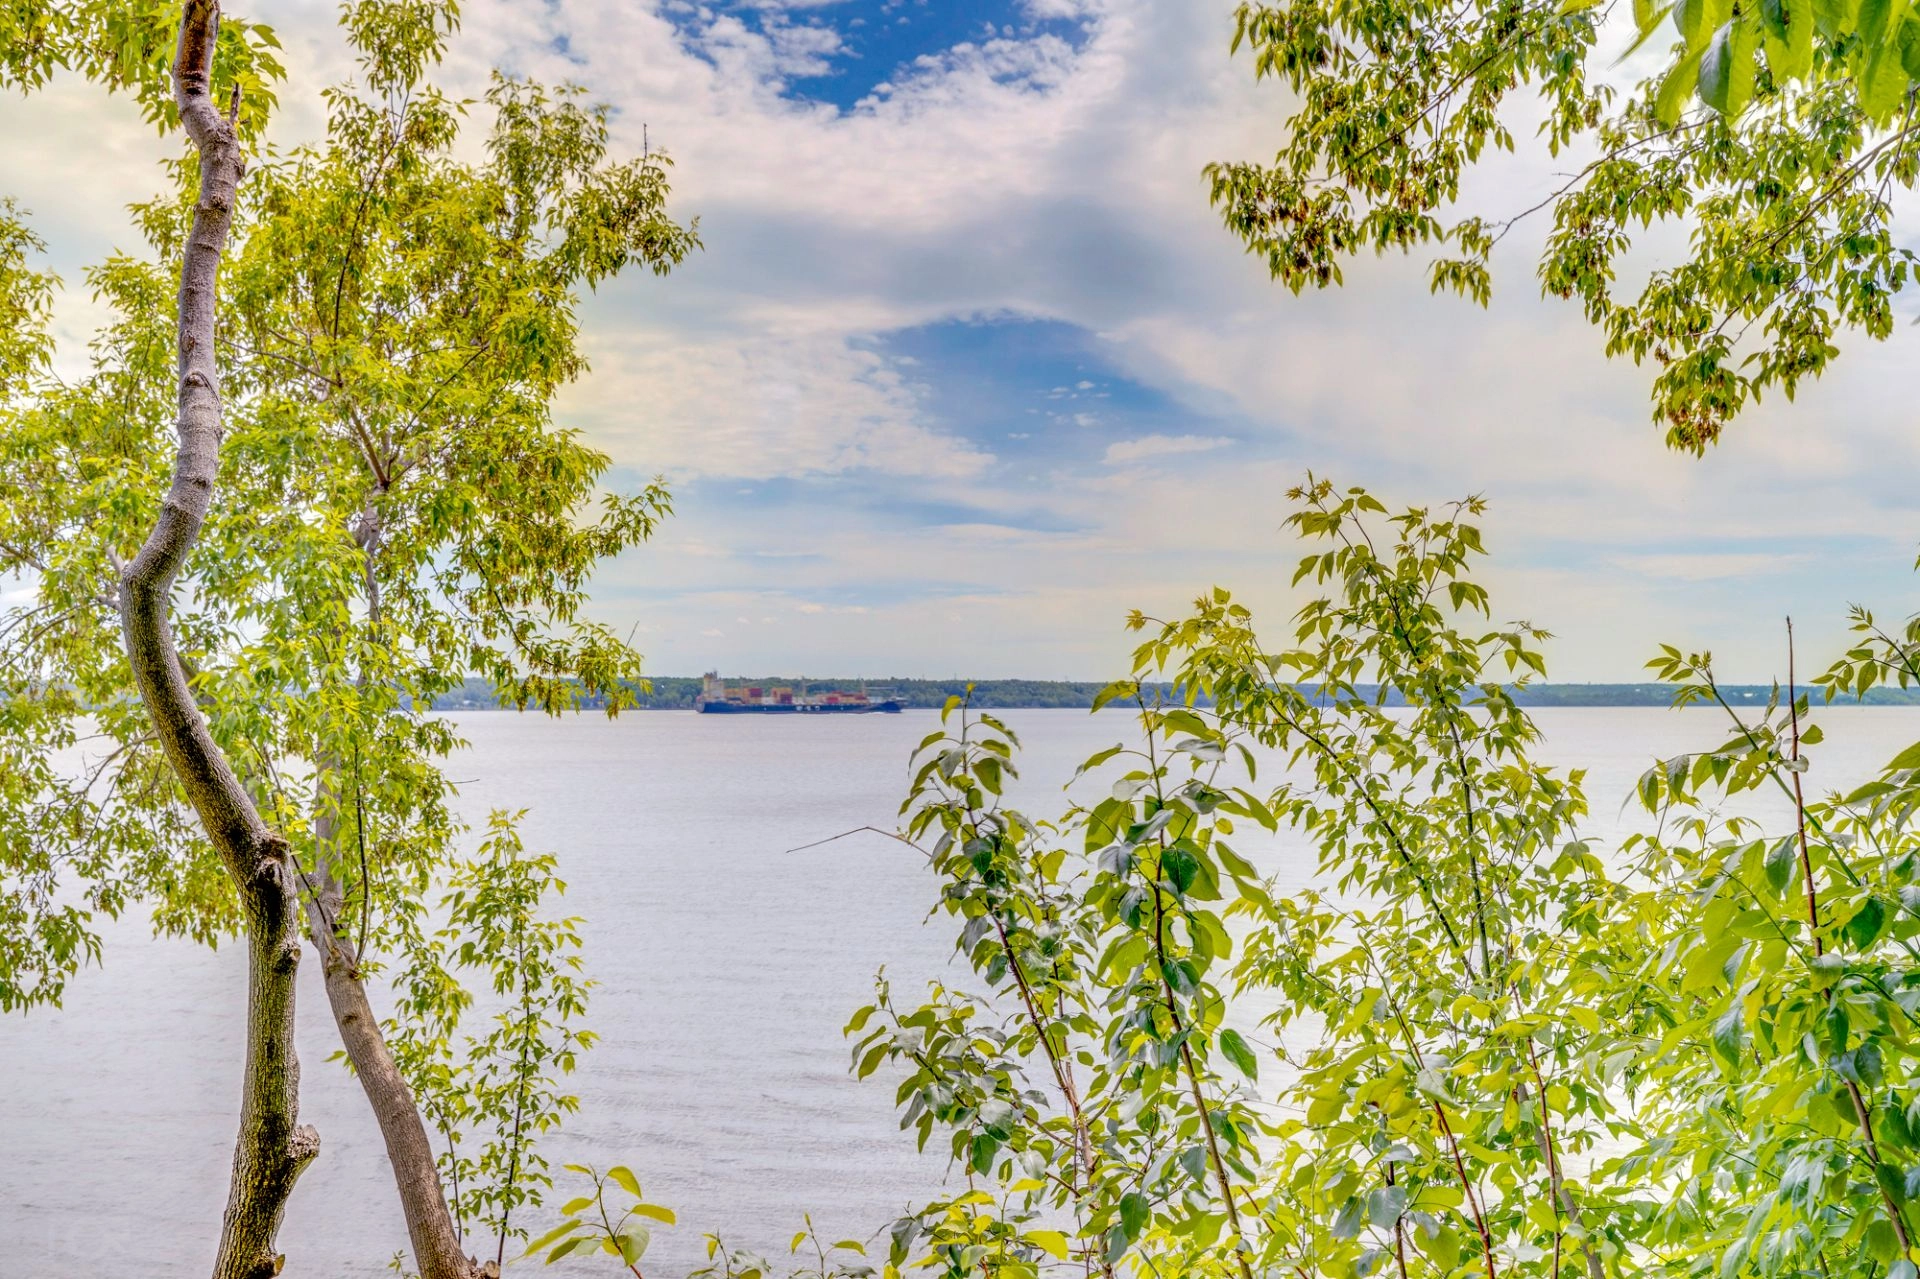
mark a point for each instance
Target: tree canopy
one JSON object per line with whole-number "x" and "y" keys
{"x": 1778, "y": 135}
{"x": 378, "y": 504}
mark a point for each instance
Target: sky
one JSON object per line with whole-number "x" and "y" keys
{"x": 968, "y": 368}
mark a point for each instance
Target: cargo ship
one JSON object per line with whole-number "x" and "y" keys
{"x": 716, "y": 698}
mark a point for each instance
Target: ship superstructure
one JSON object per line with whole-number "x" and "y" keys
{"x": 718, "y": 698}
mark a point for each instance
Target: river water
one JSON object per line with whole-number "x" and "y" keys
{"x": 727, "y": 965}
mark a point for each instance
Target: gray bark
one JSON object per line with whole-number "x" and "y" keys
{"x": 272, "y": 1147}
{"x": 430, "y": 1229}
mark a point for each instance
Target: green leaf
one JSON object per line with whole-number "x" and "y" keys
{"x": 1873, "y": 21}
{"x": 558, "y": 1232}
{"x": 1134, "y": 1212}
{"x": 1124, "y": 688}
{"x": 1648, "y": 30}
{"x": 1883, "y": 82}
{"x": 1440, "y": 1243}
{"x": 1908, "y": 39}
{"x": 1098, "y": 758}
{"x": 572, "y": 1245}
{"x": 1053, "y": 1243}
{"x": 1180, "y": 868}
{"x": 623, "y": 1177}
{"x": 1697, "y": 20}
{"x": 1787, "y": 36}
{"x": 1865, "y": 926}
{"x": 633, "y": 1243}
{"x": 1879, "y": 1241}
{"x": 1726, "y": 68}
{"x": 1728, "y": 1033}
{"x": 1239, "y": 1053}
{"x": 1716, "y": 71}
{"x": 1780, "y": 864}
{"x": 1671, "y": 99}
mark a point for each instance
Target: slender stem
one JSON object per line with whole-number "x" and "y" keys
{"x": 519, "y": 1101}
{"x": 600, "y": 1202}
{"x": 1399, "y": 1232}
{"x": 1564, "y": 1203}
{"x": 1082, "y": 1141}
{"x": 1861, "y": 1108}
{"x": 1473, "y": 860}
{"x": 1800, "y": 803}
{"x": 1186, "y": 1049}
{"x": 453, "y": 1162}
{"x": 1473, "y": 1198}
{"x": 1213, "y": 1147}
{"x": 360, "y": 835}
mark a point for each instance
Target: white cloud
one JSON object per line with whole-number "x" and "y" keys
{"x": 760, "y": 406}
{"x": 1710, "y": 566}
{"x": 1123, "y": 452}
{"x": 1030, "y": 179}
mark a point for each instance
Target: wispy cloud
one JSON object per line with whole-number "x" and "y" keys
{"x": 1711, "y": 566}
{"x": 1123, "y": 452}
{"x": 1056, "y": 181}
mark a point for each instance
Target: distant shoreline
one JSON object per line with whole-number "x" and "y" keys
{"x": 676, "y": 692}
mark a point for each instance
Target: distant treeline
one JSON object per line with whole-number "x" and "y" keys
{"x": 676, "y": 692}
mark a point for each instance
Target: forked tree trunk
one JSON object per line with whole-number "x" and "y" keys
{"x": 272, "y": 1148}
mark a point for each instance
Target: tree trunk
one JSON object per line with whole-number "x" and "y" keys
{"x": 272, "y": 1147}
{"x": 430, "y": 1229}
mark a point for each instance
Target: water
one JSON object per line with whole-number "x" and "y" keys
{"x": 727, "y": 966}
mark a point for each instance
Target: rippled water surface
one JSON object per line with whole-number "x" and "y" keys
{"x": 727, "y": 966}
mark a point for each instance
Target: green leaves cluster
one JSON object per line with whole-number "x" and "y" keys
{"x": 591, "y": 1224}
{"x": 491, "y": 1095}
{"x": 1778, "y": 132}
{"x": 127, "y": 46}
{"x": 1789, "y": 972}
{"x": 397, "y": 510}
{"x": 1093, "y": 1096}
{"x": 1472, "y": 1045}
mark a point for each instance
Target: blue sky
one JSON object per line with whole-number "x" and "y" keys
{"x": 968, "y": 368}
{"x": 852, "y": 51}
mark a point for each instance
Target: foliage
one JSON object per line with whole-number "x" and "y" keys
{"x": 398, "y": 510}
{"x": 842, "y": 1260}
{"x": 1779, "y": 132}
{"x": 399, "y": 507}
{"x": 590, "y": 1223}
{"x": 503, "y": 1084}
{"x": 1083, "y": 1096}
{"x": 1473, "y": 1045}
{"x": 1786, "y": 972}
{"x": 127, "y": 45}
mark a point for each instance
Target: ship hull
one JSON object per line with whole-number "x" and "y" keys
{"x": 736, "y": 708}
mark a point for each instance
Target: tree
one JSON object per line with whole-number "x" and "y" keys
{"x": 1779, "y": 132}
{"x": 397, "y": 510}
{"x": 273, "y": 1147}
{"x": 1501, "y": 1050}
